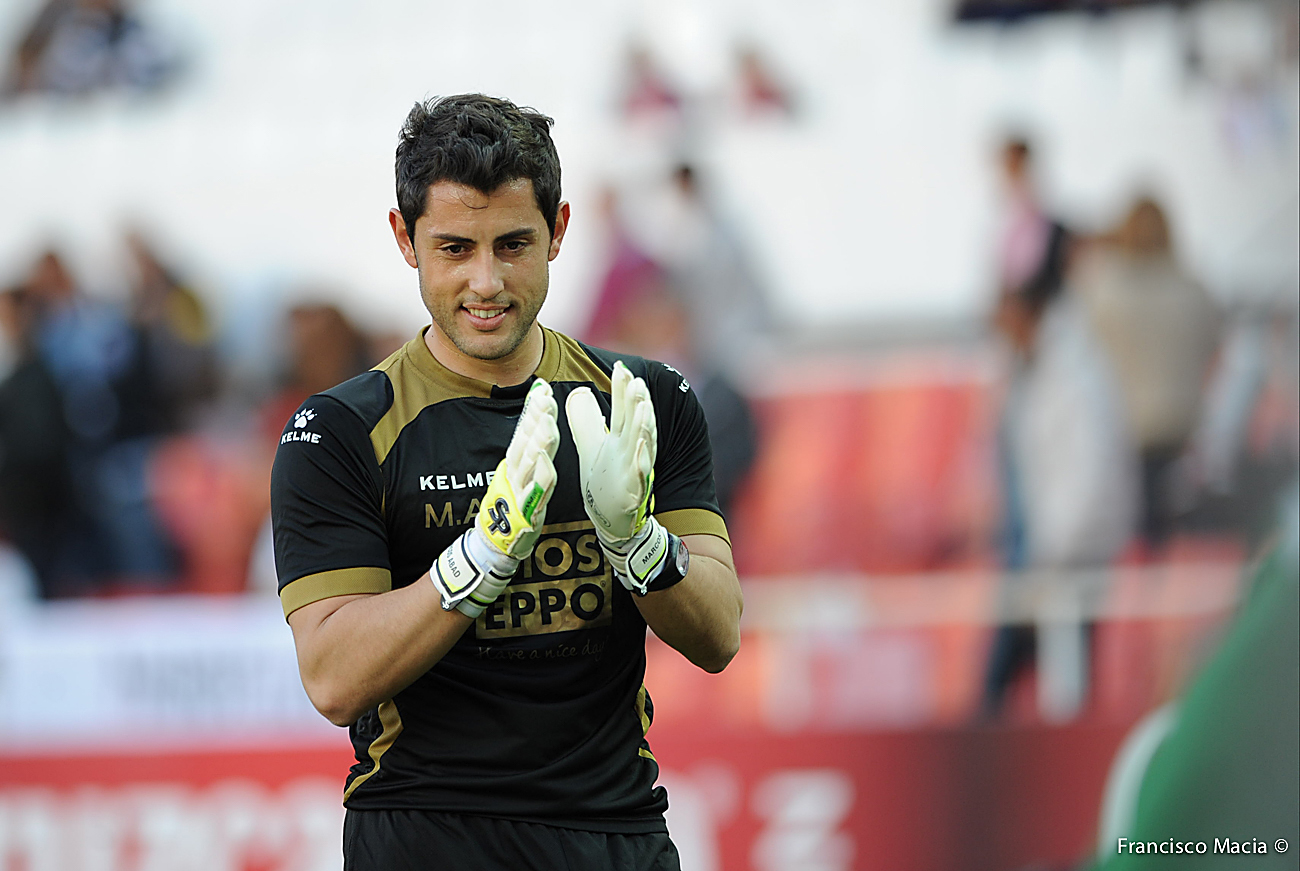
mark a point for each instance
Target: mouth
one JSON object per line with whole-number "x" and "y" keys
{"x": 483, "y": 318}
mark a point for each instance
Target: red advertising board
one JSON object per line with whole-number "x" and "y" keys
{"x": 904, "y": 801}
{"x": 174, "y": 736}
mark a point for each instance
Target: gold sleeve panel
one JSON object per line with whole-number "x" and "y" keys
{"x": 694, "y": 521}
{"x": 340, "y": 582}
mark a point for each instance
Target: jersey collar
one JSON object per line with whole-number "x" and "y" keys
{"x": 426, "y": 363}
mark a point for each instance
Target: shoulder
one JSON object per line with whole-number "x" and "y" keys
{"x": 384, "y": 401}
{"x": 367, "y": 396}
{"x": 349, "y": 410}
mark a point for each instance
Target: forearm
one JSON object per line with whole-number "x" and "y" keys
{"x": 700, "y": 616}
{"x": 355, "y": 653}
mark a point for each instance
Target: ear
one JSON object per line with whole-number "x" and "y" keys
{"x": 561, "y": 224}
{"x": 398, "y": 223}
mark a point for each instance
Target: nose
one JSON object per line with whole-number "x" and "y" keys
{"x": 485, "y": 278}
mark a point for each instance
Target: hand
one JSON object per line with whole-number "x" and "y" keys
{"x": 473, "y": 571}
{"x": 514, "y": 507}
{"x": 617, "y": 469}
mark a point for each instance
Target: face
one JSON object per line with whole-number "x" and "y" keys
{"x": 483, "y": 262}
{"x": 1015, "y": 168}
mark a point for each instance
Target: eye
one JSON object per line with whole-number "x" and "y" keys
{"x": 455, "y": 249}
{"x": 515, "y": 245}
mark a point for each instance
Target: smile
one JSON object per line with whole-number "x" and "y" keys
{"x": 485, "y": 316}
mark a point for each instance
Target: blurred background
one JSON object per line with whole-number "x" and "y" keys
{"x": 991, "y": 305}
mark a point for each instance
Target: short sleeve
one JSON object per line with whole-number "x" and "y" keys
{"x": 686, "y": 500}
{"x": 327, "y": 507}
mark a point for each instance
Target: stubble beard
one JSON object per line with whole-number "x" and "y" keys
{"x": 464, "y": 339}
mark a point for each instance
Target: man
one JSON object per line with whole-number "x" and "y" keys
{"x": 1031, "y": 259}
{"x": 468, "y": 573}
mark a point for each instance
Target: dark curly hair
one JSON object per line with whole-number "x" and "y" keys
{"x": 478, "y": 141}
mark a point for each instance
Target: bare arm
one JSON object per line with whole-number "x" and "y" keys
{"x": 357, "y": 651}
{"x": 700, "y": 616}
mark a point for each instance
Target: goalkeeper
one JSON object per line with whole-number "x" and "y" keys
{"x": 472, "y": 538}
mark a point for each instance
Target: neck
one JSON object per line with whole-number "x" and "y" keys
{"x": 513, "y": 368}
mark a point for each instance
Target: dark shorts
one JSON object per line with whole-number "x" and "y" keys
{"x": 406, "y": 840}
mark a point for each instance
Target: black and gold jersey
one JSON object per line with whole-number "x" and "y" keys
{"x": 538, "y": 713}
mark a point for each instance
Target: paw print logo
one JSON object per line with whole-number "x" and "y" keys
{"x": 300, "y": 419}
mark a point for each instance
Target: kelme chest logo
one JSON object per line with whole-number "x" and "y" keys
{"x": 565, "y": 585}
{"x": 458, "y": 481}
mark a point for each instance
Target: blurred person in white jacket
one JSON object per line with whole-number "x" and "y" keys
{"x": 1070, "y": 436}
{"x": 1076, "y": 486}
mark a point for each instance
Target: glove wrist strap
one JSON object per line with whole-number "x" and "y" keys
{"x": 471, "y": 573}
{"x": 638, "y": 560}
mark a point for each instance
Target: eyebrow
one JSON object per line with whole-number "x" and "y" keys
{"x": 521, "y": 233}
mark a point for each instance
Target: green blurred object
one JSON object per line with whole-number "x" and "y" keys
{"x": 1229, "y": 767}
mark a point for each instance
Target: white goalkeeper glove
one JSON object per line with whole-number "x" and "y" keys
{"x": 617, "y": 470}
{"x": 473, "y": 571}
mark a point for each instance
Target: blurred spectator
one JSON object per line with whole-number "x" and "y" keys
{"x": 694, "y": 303}
{"x": 1031, "y": 252}
{"x": 1161, "y": 332}
{"x": 1033, "y": 246}
{"x": 177, "y": 336}
{"x": 705, "y": 260}
{"x": 628, "y": 272}
{"x": 654, "y": 323}
{"x": 646, "y": 89}
{"x": 78, "y": 46}
{"x": 1074, "y": 476}
{"x": 1247, "y": 441}
{"x": 759, "y": 90}
{"x": 637, "y": 311}
{"x": 91, "y": 351}
{"x": 38, "y": 509}
{"x": 108, "y": 388}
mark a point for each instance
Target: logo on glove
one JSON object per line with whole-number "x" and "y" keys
{"x": 500, "y": 523}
